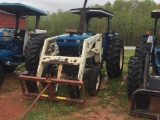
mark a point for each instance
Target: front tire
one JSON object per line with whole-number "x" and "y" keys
{"x": 94, "y": 81}
{"x": 114, "y": 58}
{"x": 134, "y": 75}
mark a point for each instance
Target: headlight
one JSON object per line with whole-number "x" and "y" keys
{"x": 78, "y": 41}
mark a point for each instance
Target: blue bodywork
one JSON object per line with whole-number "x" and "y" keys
{"x": 9, "y": 49}
{"x": 72, "y": 40}
{"x": 157, "y": 58}
{"x": 75, "y": 41}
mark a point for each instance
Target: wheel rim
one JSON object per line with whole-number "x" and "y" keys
{"x": 98, "y": 82}
{"x": 151, "y": 71}
{"x": 121, "y": 59}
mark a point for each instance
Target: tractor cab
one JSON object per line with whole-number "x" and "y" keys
{"x": 75, "y": 37}
{"x": 94, "y": 13}
{"x": 19, "y": 9}
{"x": 13, "y": 41}
{"x": 156, "y": 15}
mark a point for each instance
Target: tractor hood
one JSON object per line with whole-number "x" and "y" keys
{"x": 72, "y": 39}
{"x": 74, "y": 36}
{"x": 5, "y": 35}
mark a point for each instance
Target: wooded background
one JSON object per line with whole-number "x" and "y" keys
{"x": 132, "y": 18}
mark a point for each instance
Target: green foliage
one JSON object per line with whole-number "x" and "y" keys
{"x": 131, "y": 19}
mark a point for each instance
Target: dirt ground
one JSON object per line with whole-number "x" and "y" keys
{"x": 11, "y": 98}
{"x": 12, "y": 104}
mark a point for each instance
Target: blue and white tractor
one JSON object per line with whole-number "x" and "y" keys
{"x": 143, "y": 84}
{"x": 74, "y": 57}
{"x": 14, "y": 42}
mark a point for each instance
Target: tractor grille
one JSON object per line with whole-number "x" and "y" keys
{"x": 74, "y": 51}
{"x": 70, "y": 41}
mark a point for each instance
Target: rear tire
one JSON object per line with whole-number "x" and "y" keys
{"x": 134, "y": 75}
{"x": 94, "y": 81}
{"x": 134, "y": 82}
{"x": 114, "y": 58}
{"x": 1, "y": 76}
{"x": 31, "y": 58}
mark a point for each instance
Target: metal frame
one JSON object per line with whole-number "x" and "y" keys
{"x": 87, "y": 51}
{"x": 50, "y": 81}
{"x": 143, "y": 113}
{"x": 48, "y": 57}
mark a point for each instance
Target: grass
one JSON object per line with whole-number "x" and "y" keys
{"x": 114, "y": 94}
{"x": 48, "y": 109}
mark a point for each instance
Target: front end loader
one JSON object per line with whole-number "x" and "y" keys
{"x": 69, "y": 59}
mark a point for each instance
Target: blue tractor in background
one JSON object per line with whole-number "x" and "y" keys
{"x": 71, "y": 58}
{"x": 13, "y": 41}
{"x": 144, "y": 75}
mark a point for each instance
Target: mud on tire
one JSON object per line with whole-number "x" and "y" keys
{"x": 31, "y": 58}
{"x": 114, "y": 58}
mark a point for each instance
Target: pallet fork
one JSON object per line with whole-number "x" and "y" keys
{"x": 144, "y": 113}
{"x": 51, "y": 95}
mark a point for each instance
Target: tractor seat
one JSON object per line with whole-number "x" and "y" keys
{"x": 19, "y": 36}
{"x": 21, "y": 33}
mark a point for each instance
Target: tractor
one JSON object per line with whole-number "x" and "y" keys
{"x": 144, "y": 74}
{"x": 71, "y": 58}
{"x": 13, "y": 42}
